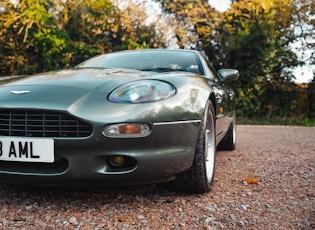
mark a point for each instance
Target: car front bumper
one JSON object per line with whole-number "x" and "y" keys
{"x": 158, "y": 157}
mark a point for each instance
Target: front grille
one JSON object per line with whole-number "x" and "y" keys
{"x": 29, "y": 123}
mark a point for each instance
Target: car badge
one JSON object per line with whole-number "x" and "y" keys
{"x": 20, "y": 92}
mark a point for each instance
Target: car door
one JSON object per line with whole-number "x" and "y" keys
{"x": 225, "y": 101}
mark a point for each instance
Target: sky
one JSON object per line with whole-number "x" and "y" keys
{"x": 220, "y": 5}
{"x": 303, "y": 74}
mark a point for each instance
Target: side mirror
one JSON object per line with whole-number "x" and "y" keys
{"x": 228, "y": 74}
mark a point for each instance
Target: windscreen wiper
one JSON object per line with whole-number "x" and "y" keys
{"x": 164, "y": 70}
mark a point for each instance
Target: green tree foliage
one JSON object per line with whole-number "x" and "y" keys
{"x": 40, "y": 35}
{"x": 254, "y": 36}
{"x": 261, "y": 51}
{"x": 28, "y": 37}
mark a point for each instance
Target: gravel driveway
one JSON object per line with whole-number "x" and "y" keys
{"x": 268, "y": 182}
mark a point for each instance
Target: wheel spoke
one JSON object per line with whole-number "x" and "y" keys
{"x": 209, "y": 148}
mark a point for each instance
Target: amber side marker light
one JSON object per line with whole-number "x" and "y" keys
{"x": 130, "y": 129}
{"x": 127, "y": 130}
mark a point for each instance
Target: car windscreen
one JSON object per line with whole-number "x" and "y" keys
{"x": 160, "y": 61}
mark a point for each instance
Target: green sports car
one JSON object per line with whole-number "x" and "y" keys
{"x": 128, "y": 117}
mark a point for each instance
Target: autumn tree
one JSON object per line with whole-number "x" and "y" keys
{"x": 28, "y": 35}
{"x": 253, "y": 36}
{"x": 96, "y": 26}
{"x": 44, "y": 35}
{"x": 136, "y": 31}
{"x": 193, "y": 22}
{"x": 304, "y": 24}
{"x": 260, "y": 48}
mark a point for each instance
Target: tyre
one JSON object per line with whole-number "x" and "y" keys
{"x": 229, "y": 141}
{"x": 199, "y": 178}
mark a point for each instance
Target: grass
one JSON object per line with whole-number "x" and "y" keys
{"x": 292, "y": 121}
{"x": 312, "y": 122}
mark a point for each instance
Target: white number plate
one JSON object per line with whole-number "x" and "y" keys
{"x": 26, "y": 149}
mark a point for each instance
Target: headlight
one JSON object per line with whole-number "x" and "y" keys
{"x": 142, "y": 91}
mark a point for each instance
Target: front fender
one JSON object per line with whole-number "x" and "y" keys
{"x": 190, "y": 100}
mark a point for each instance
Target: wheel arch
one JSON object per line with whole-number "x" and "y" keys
{"x": 213, "y": 101}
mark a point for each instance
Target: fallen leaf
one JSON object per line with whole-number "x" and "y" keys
{"x": 251, "y": 180}
{"x": 124, "y": 219}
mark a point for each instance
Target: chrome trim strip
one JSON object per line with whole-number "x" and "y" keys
{"x": 16, "y": 92}
{"x": 177, "y": 122}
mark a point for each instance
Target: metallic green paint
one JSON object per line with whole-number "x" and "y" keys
{"x": 82, "y": 92}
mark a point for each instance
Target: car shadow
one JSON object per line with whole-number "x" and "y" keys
{"x": 93, "y": 197}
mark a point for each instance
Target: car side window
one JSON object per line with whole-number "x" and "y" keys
{"x": 209, "y": 71}
{"x": 214, "y": 73}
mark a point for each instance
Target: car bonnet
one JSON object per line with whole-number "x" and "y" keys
{"x": 60, "y": 89}
{"x": 85, "y": 78}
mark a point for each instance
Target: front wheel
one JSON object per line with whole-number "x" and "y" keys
{"x": 199, "y": 178}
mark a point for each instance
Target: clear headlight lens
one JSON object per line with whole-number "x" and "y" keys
{"x": 142, "y": 91}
